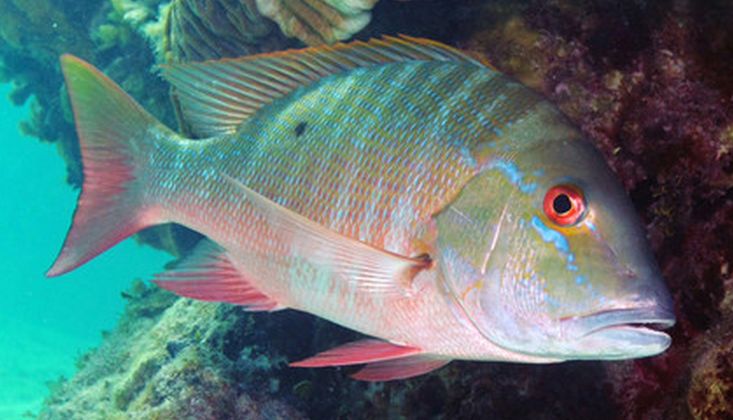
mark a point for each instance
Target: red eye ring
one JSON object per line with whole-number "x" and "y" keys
{"x": 564, "y": 205}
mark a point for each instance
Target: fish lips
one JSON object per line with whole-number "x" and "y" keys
{"x": 624, "y": 333}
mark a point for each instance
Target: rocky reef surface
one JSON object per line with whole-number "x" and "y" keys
{"x": 650, "y": 83}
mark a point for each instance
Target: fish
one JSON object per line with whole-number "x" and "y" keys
{"x": 398, "y": 187}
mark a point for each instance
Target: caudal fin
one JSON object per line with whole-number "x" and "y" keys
{"x": 114, "y": 136}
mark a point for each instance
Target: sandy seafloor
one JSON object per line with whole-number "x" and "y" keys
{"x": 45, "y": 324}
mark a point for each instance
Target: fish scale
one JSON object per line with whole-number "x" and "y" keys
{"x": 307, "y": 173}
{"x": 396, "y": 187}
{"x": 433, "y": 161}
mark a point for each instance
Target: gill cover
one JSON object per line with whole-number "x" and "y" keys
{"x": 469, "y": 238}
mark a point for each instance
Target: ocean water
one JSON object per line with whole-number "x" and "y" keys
{"x": 45, "y": 324}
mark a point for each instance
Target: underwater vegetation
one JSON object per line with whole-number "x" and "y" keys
{"x": 159, "y": 364}
{"x": 648, "y": 82}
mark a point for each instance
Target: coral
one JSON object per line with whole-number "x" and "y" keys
{"x": 509, "y": 41}
{"x": 192, "y": 30}
{"x": 201, "y": 30}
{"x": 36, "y": 33}
{"x": 122, "y": 18}
{"x": 176, "y": 358}
{"x": 42, "y": 29}
{"x": 32, "y": 36}
{"x": 318, "y": 22}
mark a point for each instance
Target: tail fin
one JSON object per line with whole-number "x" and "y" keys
{"x": 114, "y": 132}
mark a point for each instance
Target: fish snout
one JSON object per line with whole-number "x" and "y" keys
{"x": 631, "y": 330}
{"x": 647, "y": 292}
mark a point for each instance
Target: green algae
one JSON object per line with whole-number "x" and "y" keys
{"x": 166, "y": 363}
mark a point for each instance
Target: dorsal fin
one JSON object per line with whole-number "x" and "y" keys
{"x": 217, "y": 96}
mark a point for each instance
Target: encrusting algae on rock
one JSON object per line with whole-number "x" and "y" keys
{"x": 170, "y": 359}
{"x": 711, "y": 382}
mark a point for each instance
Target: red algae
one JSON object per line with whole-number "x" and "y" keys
{"x": 711, "y": 382}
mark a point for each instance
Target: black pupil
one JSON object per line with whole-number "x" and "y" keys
{"x": 561, "y": 204}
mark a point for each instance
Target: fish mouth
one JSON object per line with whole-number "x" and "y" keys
{"x": 625, "y": 333}
{"x": 651, "y": 319}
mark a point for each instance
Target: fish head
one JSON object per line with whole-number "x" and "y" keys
{"x": 544, "y": 254}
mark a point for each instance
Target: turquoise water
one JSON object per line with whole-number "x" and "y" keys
{"x": 46, "y": 323}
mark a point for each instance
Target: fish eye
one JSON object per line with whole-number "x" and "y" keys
{"x": 564, "y": 204}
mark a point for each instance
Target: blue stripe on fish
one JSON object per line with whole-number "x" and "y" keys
{"x": 514, "y": 175}
{"x": 551, "y": 235}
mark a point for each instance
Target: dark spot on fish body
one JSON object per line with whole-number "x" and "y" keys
{"x": 300, "y": 128}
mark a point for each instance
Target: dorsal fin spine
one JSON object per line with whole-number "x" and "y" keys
{"x": 254, "y": 84}
{"x": 220, "y": 101}
{"x": 275, "y": 82}
{"x": 303, "y": 69}
{"x": 237, "y": 88}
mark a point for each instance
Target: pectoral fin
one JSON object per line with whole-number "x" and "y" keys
{"x": 369, "y": 269}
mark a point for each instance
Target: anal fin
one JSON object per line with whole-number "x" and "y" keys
{"x": 403, "y": 368}
{"x": 358, "y": 352}
{"x": 207, "y": 274}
